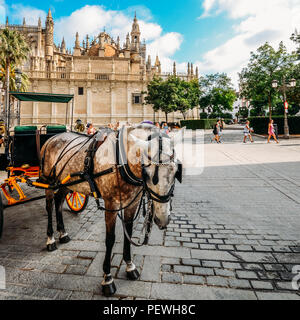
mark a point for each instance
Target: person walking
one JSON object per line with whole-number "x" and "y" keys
{"x": 271, "y": 131}
{"x": 247, "y": 132}
{"x": 216, "y": 132}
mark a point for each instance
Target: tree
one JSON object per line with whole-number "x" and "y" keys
{"x": 173, "y": 94}
{"x": 161, "y": 95}
{"x": 13, "y": 51}
{"x": 264, "y": 66}
{"x": 187, "y": 94}
{"x": 12, "y": 79}
{"x": 217, "y": 93}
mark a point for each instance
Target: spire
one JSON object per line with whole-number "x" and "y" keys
{"x": 158, "y": 65}
{"x": 197, "y": 72}
{"x": 149, "y": 63}
{"x": 192, "y": 69}
{"x": 40, "y": 22}
{"x": 77, "y": 43}
{"x": 189, "y": 69}
{"x": 87, "y": 41}
{"x": 127, "y": 41}
{"x": 49, "y": 16}
{"x": 118, "y": 43}
{"x": 24, "y": 22}
{"x": 157, "y": 62}
{"x": 63, "y": 46}
{"x": 83, "y": 44}
{"x": 135, "y": 31}
{"x": 7, "y": 21}
{"x": 49, "y": 36}
{"x": 174, "y": 68}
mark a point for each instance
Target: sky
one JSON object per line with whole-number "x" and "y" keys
{"x": 215, "y": 35}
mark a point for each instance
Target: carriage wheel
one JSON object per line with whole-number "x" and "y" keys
{"x": 1, "y": 216}
{"x": 77, "y": 202}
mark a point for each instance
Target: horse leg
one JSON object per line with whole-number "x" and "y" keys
{"x": 51, "y": 245}
{"x": 108, "y": 285}
{"x": 131, "y": 270}
{"x": 59, "y": 199}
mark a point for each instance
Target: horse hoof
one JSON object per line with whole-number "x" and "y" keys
{"x": 133, "y": 275}
{"x": 65, "y": 239}
{"x": 51, "y": 247}
{"x": 109, "y": 290}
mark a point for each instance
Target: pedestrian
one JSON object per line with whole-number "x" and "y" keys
{"x": 157, "y": 125}
{"x": 247, "y": 132}
{"x": 90, "y": 129}
{"x": 165, "y": 128}
{"x": 216, "y": 132}
{"x": 79, "y": 126}
{"x": 222, "y": 126}
{"x": 117, "y": 125}
{"x": 271, "y": 131}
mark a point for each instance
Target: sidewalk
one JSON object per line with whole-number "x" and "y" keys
{"x": 234, "y": 235}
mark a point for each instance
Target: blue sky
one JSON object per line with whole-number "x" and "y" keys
{"x": 216, "y": 35}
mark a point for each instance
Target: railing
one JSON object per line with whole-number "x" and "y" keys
{"x": 84, "y": 76}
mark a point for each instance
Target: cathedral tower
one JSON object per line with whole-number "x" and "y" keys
{"x": 49, "y": 36}
{"x": 135, "y": 34}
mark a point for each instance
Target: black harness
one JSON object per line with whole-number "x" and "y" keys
{"x": 88, "y": 175}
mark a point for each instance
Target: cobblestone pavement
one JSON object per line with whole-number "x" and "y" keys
{"x": 234, "y": 235}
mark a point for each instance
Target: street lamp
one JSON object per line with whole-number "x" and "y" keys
{"x": 18, "y": 73}
{"x": 284, "y": 88}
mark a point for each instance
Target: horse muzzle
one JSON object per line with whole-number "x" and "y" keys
{"x": 160, "y": 225}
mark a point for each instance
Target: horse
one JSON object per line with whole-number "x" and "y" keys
{"x": 126, "y": 165}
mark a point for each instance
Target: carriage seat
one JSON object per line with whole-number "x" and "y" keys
{"x": 24, "y": 147}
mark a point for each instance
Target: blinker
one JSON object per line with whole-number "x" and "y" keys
{"x": 178, "y": 174}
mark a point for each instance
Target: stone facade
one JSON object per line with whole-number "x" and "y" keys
{"x": 107, "y": 79}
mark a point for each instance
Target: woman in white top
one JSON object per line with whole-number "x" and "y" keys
{"x": 247, "y": 132}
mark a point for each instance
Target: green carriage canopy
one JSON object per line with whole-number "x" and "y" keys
{"x": 42, "y": 97}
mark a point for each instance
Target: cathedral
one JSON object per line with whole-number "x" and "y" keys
{"x": 108, "y": 80}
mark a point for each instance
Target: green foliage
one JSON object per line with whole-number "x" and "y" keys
{"x": 265, "y": 65}
{"x": 173, "y": 94}
{"x": 12, "y": 79}
{"x": 14, "y": 50}
{"x": 198, "y": 124}
{"x": 203, "y": 115}
{"x": 260, "y": 124}
{"x": 217, "y": 93}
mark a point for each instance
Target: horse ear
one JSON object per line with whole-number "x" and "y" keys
{"x": 141, "y": 143}
{"x": 178, "y": 136}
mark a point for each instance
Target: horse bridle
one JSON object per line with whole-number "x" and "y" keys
{"x": 130, "y": 177}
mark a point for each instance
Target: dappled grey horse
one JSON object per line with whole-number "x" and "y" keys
{"x": 126, "y": 165}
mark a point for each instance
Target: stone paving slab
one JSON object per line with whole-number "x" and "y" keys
{"x": 234, "y": 234}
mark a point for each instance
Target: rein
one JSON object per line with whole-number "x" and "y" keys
{"x": 128, "y": 176}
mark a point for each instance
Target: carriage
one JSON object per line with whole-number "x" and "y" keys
{"x": 22, "y": 156}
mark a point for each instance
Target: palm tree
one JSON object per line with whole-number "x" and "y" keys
{"x": 12, "y": 77}
{"x": 13, "y": 51}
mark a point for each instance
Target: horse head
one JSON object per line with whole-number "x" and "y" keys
{"x": 160, "y": 168}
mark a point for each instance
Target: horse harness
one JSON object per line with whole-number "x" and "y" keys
{"x": 122, "y": 167}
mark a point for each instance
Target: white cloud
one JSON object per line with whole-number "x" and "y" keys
{"x": 92, "y": 20}
{"x": 258, "y": 21}
{"x": 31, "y": 15}
{"x": 2, "y": 11}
